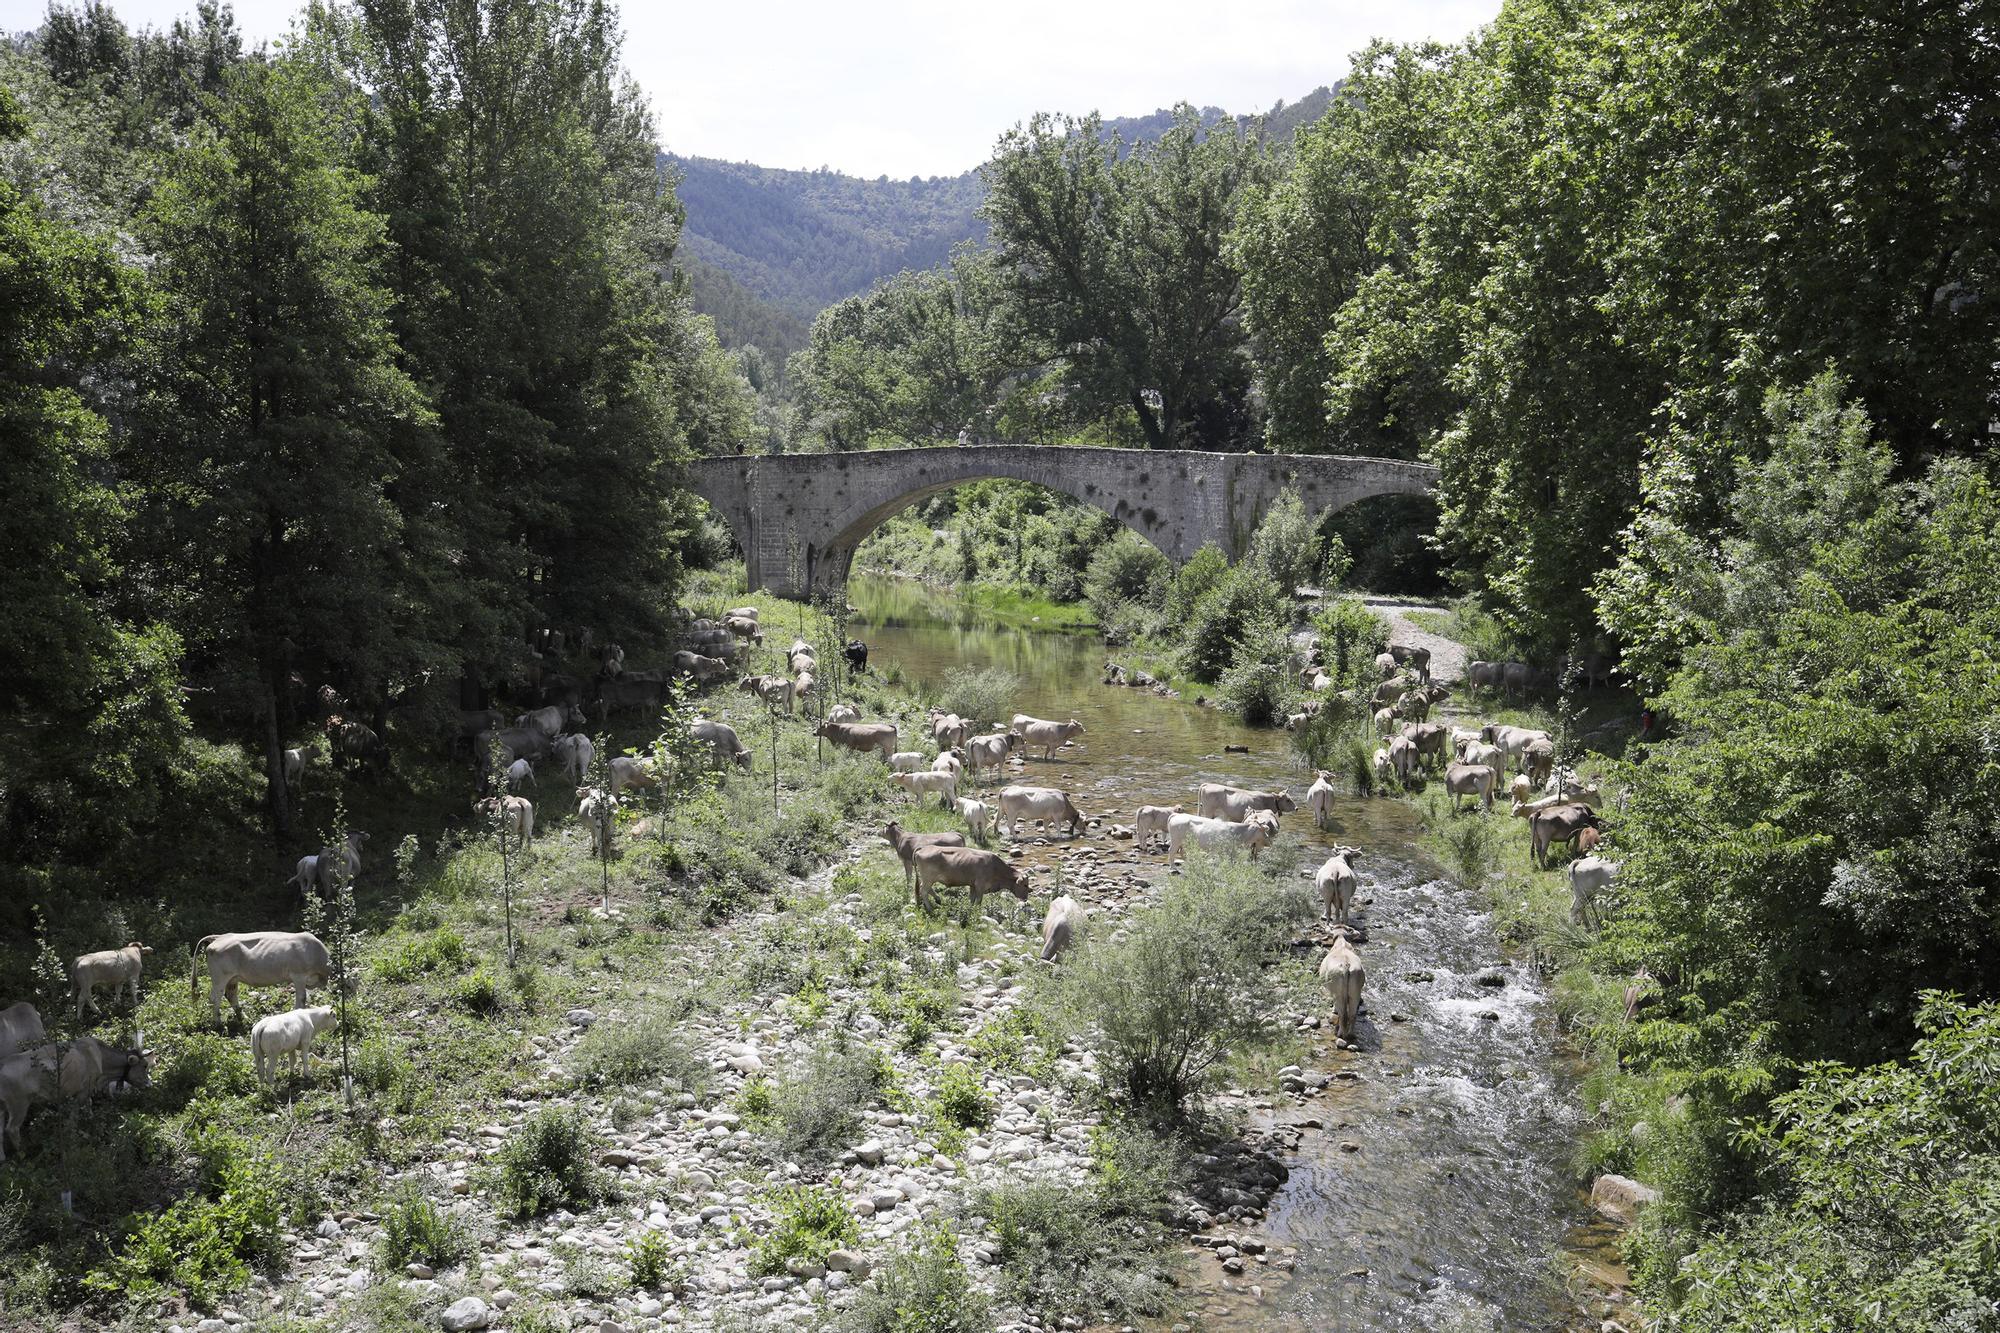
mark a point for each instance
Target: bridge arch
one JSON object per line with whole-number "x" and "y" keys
{"x": 799, "y": 517}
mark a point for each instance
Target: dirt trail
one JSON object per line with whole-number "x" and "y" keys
{"x": 1448, "y": 656}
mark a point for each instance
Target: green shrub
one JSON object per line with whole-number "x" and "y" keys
{"x": 1286, "y": 545}
{"x": 960, "y": 1099}
{"x": 441, "y": 949}
{"x": 1260, "y": 683}
{"x": 980, "y": 694}
{"x": 1068, "y": 1253}
{"x": 924, "y": 1289}
{"x": 549, "y": 1163}
{"x": 651, "y": 1256}
{"x": 757, "y": 1101}
{"x": 809, "y": 1223}
{"x": 1203, "y": 573}
{"x": 1351, "y": 637}
{"x": 1024, "y": 1040}
{"x": 416, "y": 1230}
{"x": 645, "y": 1051}
{"x": 1245, "y": 598}
{"x": 1127, "y": 571}
{"x": 817, "y": 1110}
{"x": 1187, "y": 985}
{"x": 588, "y": 1275}
{"x": 200, "y": 1247}
{"x": 480, "y": 992}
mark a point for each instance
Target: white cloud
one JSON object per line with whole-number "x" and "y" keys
{"x": 902, "y": 87}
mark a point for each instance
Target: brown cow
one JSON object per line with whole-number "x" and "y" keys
{"x": 908, "y": 844}
{"x": 971, "y": 868}
{"x": 1558, "y": 823}
{"x": 861, "y": 737}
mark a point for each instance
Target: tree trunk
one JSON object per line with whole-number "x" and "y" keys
{"x": 1156, "y": 434}
{"x": 279, "y": 798}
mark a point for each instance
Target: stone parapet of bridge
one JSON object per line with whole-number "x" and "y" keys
{"x": 799, "y": 517}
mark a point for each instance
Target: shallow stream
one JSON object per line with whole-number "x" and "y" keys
{"x": 1456, "y": 1208}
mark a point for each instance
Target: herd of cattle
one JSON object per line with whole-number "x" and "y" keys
{"x": 34, "y": 1070}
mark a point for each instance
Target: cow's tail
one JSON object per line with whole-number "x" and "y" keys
{"x": 194, "y": 980}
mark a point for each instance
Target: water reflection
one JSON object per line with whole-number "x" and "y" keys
{"x": 1452, "y": 1212}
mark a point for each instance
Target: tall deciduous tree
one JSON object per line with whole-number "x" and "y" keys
{"x": 1116, "y": 263}
{"x": 279, "y": 416}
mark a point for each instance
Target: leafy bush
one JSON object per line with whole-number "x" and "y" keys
{"x": 961, "y": 1100}
{"x": 1886, "y": 1196}
{"x": 480, "y": 992}
{"x": 1203, "y": 573}
{"x": 1187, "y": 985}
{"x": 1260, "y": 684}
{"x": 810, "y": 1222}
{"x": 1024, "y": 1040}
{"x": 433, "y": 951}
{"x": 982, "y": 694}
{"x": 924, "y": 1289}
{"x": 201, "y": 1248}
{"x": 651, "y": 1256}
{"x": 1351, "y": 636}
{"x": 1224, "y": 616}
{"x": 548, "y": 1163}
{"x": 1286, "y": 545}
{"x": 416, "y": 1230}
{"x": 639, "y": 1052}
{"x": 1127, "y": 571}
{"x": 817, "y": 1110}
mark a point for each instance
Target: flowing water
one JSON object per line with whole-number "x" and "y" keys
{"x": 1457, "y": 1207}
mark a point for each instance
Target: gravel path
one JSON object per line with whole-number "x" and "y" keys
{"x": 1447, "y": 655}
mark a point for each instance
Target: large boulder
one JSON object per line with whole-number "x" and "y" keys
{"x": 1620, "y": 1198}
{"x": 468, "y": 1313}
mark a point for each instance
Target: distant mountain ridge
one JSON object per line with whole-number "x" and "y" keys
{"x": 767, "y": 249}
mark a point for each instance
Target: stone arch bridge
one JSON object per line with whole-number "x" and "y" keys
{"x": 799, "y": 517}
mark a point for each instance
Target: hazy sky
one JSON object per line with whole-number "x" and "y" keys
{"x": 916, "y": 87}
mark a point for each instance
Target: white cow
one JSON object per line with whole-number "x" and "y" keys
{"x": 597, "y": 810}
{"x": 1252, "y": 835}
{"x": 116, "y": 968}
{"x": 630, "y": 771}
{"x": 259, "y": 958}
{"x": 979, "y": 816}
{"x": 908, "y": 761}
{"x": 1403, "y": 759}
{"x": 1513, "y": 741}
{"x": 520, "y": 774}
{"x": 1588, "y": 875}
{"x": 550, "y": 721}
{"x": 1336, "y": 882}
{"x": 950, "y": 730}
{"x": 516, "y": 815}
{"x": 1319, "y": 797}
{"x": 20, "y": 1028}
{"x": 1341, "y": 973}
{"x": 843, "y": 713}
{"x": 1046, "y": 736}
{"x": 949, "y": 762}
{"x": 287, "y": 1037}
{"x": 1220, "y": 801}
{"x": 1045, "y": 805}
{"x": 928, "y": 782}
{"x": 295, "y": 768}
{"x": 1385, "y": 772}
{"x": 1151, "y": 822}
{"x": 574, "y": 752}
{"x": 990, "y": 749}
{"x": 1061, "y": 926}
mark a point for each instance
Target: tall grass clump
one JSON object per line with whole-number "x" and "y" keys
{"x": 642, "y": 1052}
{"x": 416, "y": 1230}
{"x": 809, "y": 1223}
{"x": 1188, "y": 984}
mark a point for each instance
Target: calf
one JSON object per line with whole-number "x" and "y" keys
{"x": 1061, "y": 926}
{"x": 928, "y": 782}
{"x": 773, "y": 690}
{"x": 1336, "y": 883}
{"x": 907, "y": 845}
{"x": 908, "y": 761}
{"x": 574, "y": 754}
{"x": 1342, "y": 975}
{"x": 981, "y": 872}
{"x": 520, "y": 773}
{"x": 949, "y": 762}
{"x": 978, "y": 815}
{"x": 634, "y": 772}
{"x": 843, "y": 713}
{"x": 116, "y": 968}
{"x": 295, "y": 768}
{"x": 597, "y": 809}
{"x": 1151, "y": 822}
{"x": 259, "y": 958}
{"x": 288, "y": 1037}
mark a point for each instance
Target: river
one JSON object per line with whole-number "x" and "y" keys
{"x": 1459, "y": 1208}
